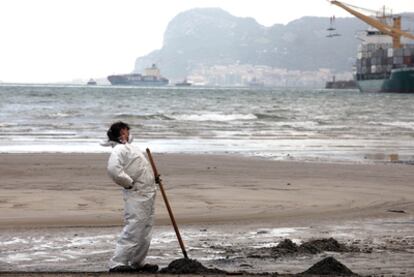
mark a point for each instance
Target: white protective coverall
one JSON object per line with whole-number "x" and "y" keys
{"x": 129, "y": 168}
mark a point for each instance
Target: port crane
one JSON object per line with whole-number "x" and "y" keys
{"x": 394, "y": 31}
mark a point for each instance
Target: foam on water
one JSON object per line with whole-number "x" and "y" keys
{"x": 14, "y": 240}
{"x": 283, "y": 149}
{"x": 18, "y": 257}
{"x": 214, "y": 117}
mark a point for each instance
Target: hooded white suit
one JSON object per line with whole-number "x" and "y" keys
{"x": 129, "y": 168}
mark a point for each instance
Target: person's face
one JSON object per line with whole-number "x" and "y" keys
{"x": 124, "y": 135}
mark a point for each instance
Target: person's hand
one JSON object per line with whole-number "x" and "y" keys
{"x": 133, "y": 187}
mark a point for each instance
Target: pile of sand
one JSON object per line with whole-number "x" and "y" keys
{"x": 330, "y": 244}
{"x": 284, "y": 248}
{"x": 189, "y": 266}
{"x": 329, "y": 266}
{"x": 287, "y": 247}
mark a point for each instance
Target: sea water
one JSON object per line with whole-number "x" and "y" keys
{"x": 282, "y": 123}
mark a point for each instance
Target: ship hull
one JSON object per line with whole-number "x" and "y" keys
{"x": 400, "y": 81}
{"x": 140, "y": 83}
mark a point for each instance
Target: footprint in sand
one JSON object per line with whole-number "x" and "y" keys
{"x": 19, "y": 205}
{"x": 82, "y": 205}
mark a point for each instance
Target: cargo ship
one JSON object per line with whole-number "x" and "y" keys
{"x": 384, "y": 63}
{"x": 152, "y": 77}
{"x": 382, "y": 68}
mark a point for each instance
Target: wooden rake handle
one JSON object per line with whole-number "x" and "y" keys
{"x": 167, "y": 204}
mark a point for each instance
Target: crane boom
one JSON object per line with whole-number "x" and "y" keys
{"x": 394, "y": 31}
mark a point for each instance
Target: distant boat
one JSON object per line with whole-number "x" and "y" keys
{"x": 184, "y": 83}
{"x": 91, "y": 82}
{"x": 152, "y": 77}
{"x": 341, "y": 84}
{"x": 255, "y": 83}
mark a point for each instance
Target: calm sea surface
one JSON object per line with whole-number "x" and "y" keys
{"x": 298, "y": 124}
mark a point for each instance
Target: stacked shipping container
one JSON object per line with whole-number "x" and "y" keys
{"x": 376, "y": 60}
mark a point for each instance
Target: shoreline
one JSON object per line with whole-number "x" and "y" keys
{"x": 284, "y": 148}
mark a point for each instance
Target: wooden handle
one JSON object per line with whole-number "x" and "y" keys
{"x": 167, "y": 204}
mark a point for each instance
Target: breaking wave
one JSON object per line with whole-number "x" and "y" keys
{"x": 214, "y": 117}
{"x": 269, "y": 116}
{"x": 143, "y": 117}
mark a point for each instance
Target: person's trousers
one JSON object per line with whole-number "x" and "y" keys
{"x": 134, "y": 241}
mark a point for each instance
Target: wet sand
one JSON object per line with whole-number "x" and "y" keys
{"x": 225, "y": 205}
{"x": 74, "y": 190}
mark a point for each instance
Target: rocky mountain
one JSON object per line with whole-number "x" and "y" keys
{"x": 212, "y": 36}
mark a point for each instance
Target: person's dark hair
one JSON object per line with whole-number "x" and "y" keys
{"x": 114, "y": 131}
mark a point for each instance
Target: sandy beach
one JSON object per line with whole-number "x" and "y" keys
{"x": 221, "y": 198}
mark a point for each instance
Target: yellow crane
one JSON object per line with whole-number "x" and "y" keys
{"x": 394, "y": 31}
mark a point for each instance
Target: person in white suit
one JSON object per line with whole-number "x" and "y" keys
{"x": 128, "y": 167}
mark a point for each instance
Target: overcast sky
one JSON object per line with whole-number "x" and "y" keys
{"x": 63, "y": 40}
